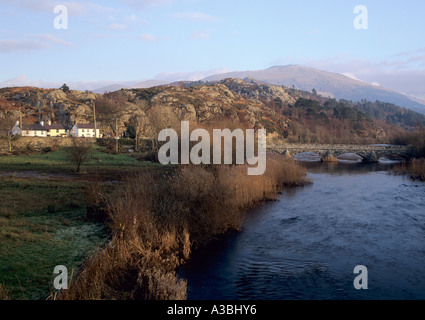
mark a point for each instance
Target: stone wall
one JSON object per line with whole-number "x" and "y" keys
{"x": 21, "y": 144}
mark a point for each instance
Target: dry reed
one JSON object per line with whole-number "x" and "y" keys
{"x": 4, "y": 293}
{"x": 156, "y": 220}
{"x": 415, "y": 168}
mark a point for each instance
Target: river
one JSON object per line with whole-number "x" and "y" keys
{"x": 306, "y": 245}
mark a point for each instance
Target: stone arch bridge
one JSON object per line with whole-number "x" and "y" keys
{"x": 369, "y": 153}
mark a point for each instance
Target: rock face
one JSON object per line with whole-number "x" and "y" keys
{"x": 253, "y": 89}
{"x": 35, "y": 104}
{"x": 207, "y": 104}
{"x": 231, "y": 103}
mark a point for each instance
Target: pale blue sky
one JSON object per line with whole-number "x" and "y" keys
{"x": 126, "y": 40}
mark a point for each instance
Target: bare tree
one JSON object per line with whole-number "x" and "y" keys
{"x": 7, "y": 122}
{"x": 137, "y": 122}
{"x": 109, "y": 108}
{"x": 79, "y": 152}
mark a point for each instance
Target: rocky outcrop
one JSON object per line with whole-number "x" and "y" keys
{"x": 155, "y": 108}
{"x": 253, "y": 89}
{"x": 35, "y": 104}
{"x": 205, "y": 105}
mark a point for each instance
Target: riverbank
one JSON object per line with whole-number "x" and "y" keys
{"x": 415, "y": 169}
{"x": 156, "y": 220}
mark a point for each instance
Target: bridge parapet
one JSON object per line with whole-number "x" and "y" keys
{"x": 369, "y": 153}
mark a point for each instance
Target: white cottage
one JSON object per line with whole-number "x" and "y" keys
{"x": 82, "y": 130}
{"x": 56, "y": 130}
{"x": 40, "y": 130}
{"x": 33, "y": 130}
{"x": 16, "y": 129}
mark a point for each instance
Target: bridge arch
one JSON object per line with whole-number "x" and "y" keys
{"x": 350, "y": 156}
{"x": 304, "y": 155}
{"x": 368, "y": 153}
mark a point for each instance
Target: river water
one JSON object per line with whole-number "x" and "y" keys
{"x": 307, "y": 244}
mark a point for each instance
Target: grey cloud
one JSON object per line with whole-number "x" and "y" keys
{"x": 21, "y": 45}
{"x": 37, "y": 42}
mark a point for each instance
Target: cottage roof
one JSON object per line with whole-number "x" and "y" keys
{"x": 56, "y": 126}
{"x": 34, "y": 127}
{"x": 85, "y": 125}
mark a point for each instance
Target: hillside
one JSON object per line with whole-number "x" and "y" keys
{"x": 315, "y": 119}
{"x": 326, "y": 83}
{"x": 152, "y": 109}
{"x": 286, "y": 113}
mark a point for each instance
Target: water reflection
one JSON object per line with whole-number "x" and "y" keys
{"x": 348, "y": 167}
{"x": 312, "y": 160}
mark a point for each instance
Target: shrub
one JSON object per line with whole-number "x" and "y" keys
{"x": 46, "y": 150}
{"x": 415, "y": 139}
{"x": 64, "y": 88}
{"x": 96, "y": 210}
{"x": 79, "y": 152}
{"x": 151, "y": 156}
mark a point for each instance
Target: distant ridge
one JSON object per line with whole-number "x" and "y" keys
{"x": 326, "y": 83}
{"x": 130, "y": 85}
{"x": 111, "y": 88}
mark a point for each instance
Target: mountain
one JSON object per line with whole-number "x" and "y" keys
{"x": 326, "y": 83}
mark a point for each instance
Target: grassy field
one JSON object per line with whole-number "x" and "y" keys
{"x": 59, "y": 161}
{"x": 42, "y": 216}
{"x": 42, "y": 225}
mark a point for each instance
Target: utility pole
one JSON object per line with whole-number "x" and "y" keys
{"x": 94, "y": 118}
{"x": 116, "y": 135}
{"x": 21, "y": 125}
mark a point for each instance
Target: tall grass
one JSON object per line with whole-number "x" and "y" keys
{"x": 156, "y": 219}
{"x": 415, "y": 139}
{"x": 415, "y": 169}
{"x": 4, "y": 293}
